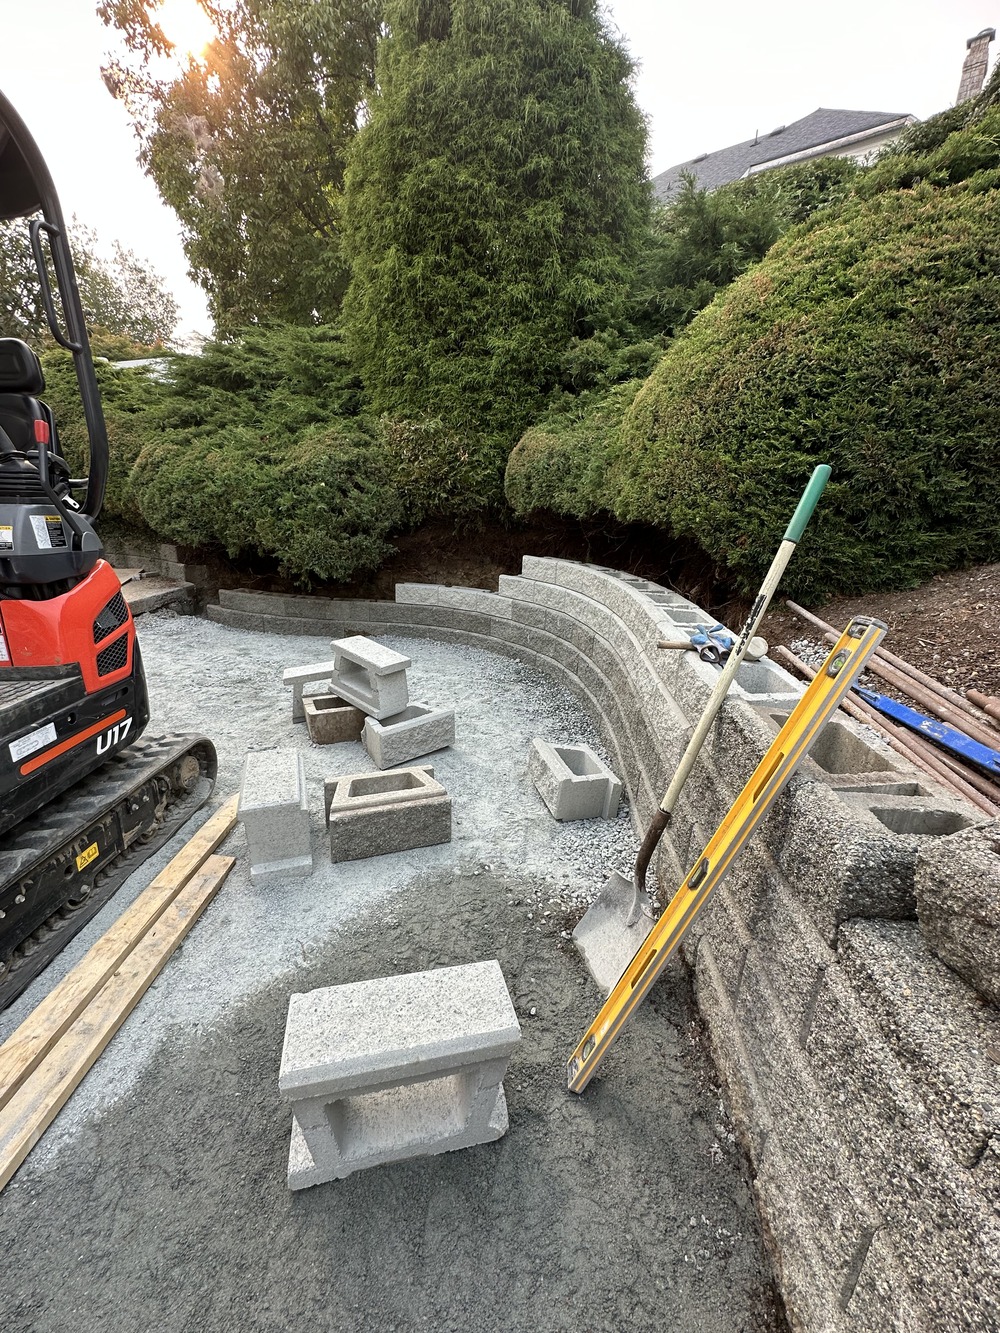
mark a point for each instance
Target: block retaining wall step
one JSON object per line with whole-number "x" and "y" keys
{"x": 861, "y": 1071}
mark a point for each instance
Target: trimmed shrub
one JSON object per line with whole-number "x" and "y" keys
{"x": 561, "y": 463}
{"x": 868, "y": 338}
{"x": 443, "y": 473}
{"x": 126, "y": 396}
{"x": 281, "y": 378}
{"x": 494, "y": 206}
{"x": 322, "y": 505}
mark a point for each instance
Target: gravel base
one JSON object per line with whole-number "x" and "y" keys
{"x": 253, "y": 931}
{"x": 629, "y": 1206}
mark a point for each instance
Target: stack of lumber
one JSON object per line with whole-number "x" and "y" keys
{"x": 976, "y": 716}
{"x": 42, "y": 1063}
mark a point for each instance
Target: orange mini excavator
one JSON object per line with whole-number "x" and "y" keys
{"x": 83, "y": 800}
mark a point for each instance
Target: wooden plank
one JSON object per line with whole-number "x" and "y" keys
{"x": 41, "y": 1096}
{"x": 43, "y": 1027}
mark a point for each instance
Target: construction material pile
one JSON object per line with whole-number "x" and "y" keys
{"x": 956, "y": 740}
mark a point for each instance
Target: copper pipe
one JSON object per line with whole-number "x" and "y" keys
{"x": 967, "y": 704}
{"x": 911, "y": 747}
{"x": 989, "y": 705}
{"x": 955, "y": 717}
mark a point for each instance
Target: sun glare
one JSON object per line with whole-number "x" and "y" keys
{"x": 186, "y": 25}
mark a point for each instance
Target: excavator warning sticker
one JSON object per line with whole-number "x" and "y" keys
{"x": 48, "y": 531}
{"x": 34, "y": 740}
{"x": 86, "y": 856}
{"x": 6, "y": 537}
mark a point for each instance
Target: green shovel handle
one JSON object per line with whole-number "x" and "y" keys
{"x": 810, "y": 498}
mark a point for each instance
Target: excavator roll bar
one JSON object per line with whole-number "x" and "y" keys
{"x": 26, "y": 188}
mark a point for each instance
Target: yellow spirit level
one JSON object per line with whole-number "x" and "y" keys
{"x": 810, "y": 715}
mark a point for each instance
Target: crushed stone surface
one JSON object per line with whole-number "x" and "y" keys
{"x": 158, "y": 1197}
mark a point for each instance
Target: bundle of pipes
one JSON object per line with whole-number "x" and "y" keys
{"x": 977, "y": 716}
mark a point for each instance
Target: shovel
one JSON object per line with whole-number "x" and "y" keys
{"x": 611, "y": 931}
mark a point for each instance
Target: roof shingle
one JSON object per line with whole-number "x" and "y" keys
{"x": 825, "y": 125}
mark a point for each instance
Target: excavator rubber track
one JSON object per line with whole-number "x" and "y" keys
{"x": 58, "y": 871}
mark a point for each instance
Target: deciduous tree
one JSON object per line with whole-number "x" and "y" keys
{"x": 247, "y": 142}
{"x": 121, "y": 295}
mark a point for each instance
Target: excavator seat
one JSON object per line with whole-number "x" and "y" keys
{"x": 21, "y": 380}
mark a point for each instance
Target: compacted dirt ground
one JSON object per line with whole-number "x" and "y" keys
{"x": 948, "y": 627}
{"x": 158, "y": 1199}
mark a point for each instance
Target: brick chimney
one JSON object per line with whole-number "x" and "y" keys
{"x": 974, "y": 69}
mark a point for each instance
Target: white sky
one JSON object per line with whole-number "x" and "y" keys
{"x": 710, "y": 76}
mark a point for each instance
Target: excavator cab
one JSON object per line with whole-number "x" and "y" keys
{"x": 62, "y": 613}
{"x": 81, "y": 804}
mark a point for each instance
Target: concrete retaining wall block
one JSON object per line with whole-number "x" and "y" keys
{"x": 958, "y": 903}
{"x": 372, "y": 814}
{"x": 332, "y": 720}
{"x": 275, "y": 814}
{"x": 299, "y": 677}
{"x": 417, "y": 730}
{"x": 369, "y": 675}
{"x": 573, "y": 782}
{"x": 380, "y": 1071}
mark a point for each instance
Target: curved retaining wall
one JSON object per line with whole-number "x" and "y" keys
{"x": 862, "y": 1072}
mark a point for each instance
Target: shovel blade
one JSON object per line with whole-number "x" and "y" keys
{"x": 604, "y": 939}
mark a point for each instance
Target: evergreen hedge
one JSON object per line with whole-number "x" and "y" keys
{"x": 561, "y": 463}
{"x": 323, "y": 504}
{"x": 494, "y": 206}
{"x": 868, "y": 338}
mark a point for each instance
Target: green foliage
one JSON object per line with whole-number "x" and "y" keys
{"x": 561, "y": 463}
{"x": 253, "y": 447}
{"x": 442, "y": 473}
{"x": 609, "y": 357}
{"x": 127, "y": 396}
{"x": 323, "y": 504}
{"x": 701, "y": 241}
{"x": 493, "y": 205}
{"x": 868, "y": 338}
{"x": 121, "y": 296}
{"x": 972, "y": 150}
{"x": 278, "y": 379}
{"x": 248, "y": 144}
{"x": 21, "y": 312}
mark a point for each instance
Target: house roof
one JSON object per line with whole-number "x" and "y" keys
{"x": 820, "y": 127}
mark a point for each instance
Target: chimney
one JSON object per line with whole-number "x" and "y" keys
{"x": 974, "y": 69}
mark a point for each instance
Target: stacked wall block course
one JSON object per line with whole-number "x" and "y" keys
{"x": 417, "y": 730}
{"x": 384, "y": 1070}
{"x": 946, "y": 1236}
{"x": 950, "y": 1049}
{"x": 844, "y": 862}
{"x": 958, "y": 904}
{"x": 274, "y": 810}
{"x": 822, "y": 870}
